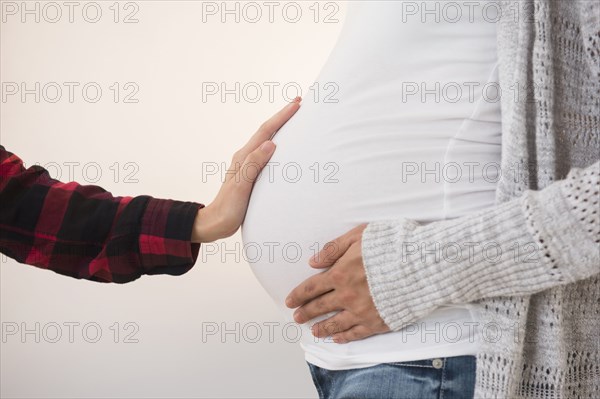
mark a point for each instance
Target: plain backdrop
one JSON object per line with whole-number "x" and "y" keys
{"x": 149, "y": 131}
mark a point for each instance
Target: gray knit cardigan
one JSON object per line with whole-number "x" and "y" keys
{"x": 533, "y": 267}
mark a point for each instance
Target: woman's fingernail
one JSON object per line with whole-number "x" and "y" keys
{"x": 267, "y": 146}
{"x": 294, "y": 101}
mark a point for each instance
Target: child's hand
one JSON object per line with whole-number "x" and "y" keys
{"x": 225, "y": 214}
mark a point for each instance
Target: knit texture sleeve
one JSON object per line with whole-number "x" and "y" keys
{"x": 540, "y": 240}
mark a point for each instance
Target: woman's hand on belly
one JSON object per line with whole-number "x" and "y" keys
{"x": 342, "y": 288}
{"x": 222, "y": 217}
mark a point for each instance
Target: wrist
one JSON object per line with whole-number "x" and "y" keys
{"x": 204, "y": 228}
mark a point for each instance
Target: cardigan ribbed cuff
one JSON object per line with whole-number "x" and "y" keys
{"x": 412, "y": 269}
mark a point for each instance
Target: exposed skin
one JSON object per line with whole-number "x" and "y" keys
{"x": 343, "y": 287}
{"x": 222, "y": 217}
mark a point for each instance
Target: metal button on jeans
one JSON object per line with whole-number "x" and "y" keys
{"x": 437, "y": 363}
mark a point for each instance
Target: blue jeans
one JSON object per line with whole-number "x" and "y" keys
{"x": 448, "y": 378}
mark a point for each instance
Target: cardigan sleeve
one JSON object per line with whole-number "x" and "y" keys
{"x": 540, "y": 240}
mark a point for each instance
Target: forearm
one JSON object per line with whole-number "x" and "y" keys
{"x": 85, "y": 232}
{"x": 527, "y": 245}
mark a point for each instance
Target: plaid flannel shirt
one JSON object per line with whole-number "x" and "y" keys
{"x": 83, "y": 231}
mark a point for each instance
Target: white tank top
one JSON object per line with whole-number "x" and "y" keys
{"x": 407, "y": 124}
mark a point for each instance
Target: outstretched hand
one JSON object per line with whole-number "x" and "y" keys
{"x": 222, "y": 217}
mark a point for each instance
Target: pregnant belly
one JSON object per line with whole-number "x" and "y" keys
{"x": 319, "y": 184}
{"x": 326, "y": 178}
{"x": 378, "y": 154}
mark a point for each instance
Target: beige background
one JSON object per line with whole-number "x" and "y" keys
{"x": 161, "y": 142}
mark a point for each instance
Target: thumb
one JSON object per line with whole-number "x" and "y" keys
{"x": 254, "y": 164}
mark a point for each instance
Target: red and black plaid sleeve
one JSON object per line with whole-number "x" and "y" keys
{"x": 85, "y": 232}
